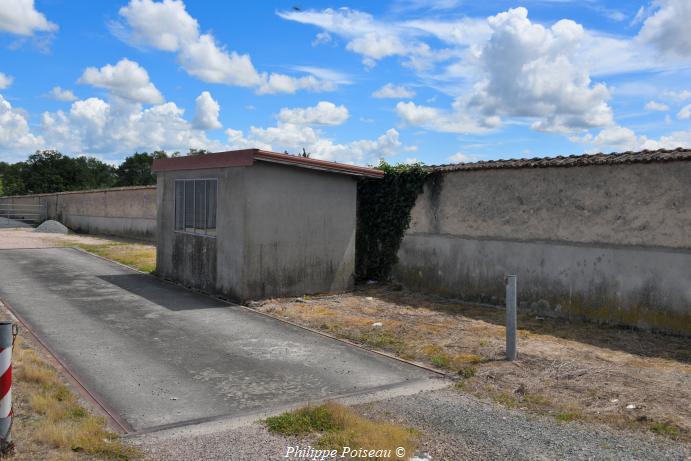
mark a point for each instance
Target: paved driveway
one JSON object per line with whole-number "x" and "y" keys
{"x": 159, "y": 354}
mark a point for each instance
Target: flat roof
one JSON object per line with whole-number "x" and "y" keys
{"x": 247, "y": 157}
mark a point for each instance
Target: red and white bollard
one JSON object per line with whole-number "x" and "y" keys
{"x": 7, "y": 334}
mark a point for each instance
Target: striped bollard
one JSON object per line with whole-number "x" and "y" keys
{"x": 7, "y": 333}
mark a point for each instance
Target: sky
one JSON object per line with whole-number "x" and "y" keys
{"x": 438, "y": 82}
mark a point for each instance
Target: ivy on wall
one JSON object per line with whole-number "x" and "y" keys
{"x": 383, "y": 216}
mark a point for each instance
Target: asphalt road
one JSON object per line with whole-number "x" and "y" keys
{"x": 159, "y": 354}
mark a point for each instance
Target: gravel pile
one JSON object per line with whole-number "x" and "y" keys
{"x": 52, "y": 227}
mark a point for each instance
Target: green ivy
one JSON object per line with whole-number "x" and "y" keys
{"x": 383, "y": 216}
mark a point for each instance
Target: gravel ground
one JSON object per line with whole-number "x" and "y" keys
{"x": 455, "y": 426}
{"x": 460, "y": 427}
{"x": 246, "y": 443}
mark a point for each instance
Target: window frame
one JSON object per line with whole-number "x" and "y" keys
{"x": 194, "y": 230}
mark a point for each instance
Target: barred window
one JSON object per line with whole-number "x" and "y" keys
{"x": 195, "y": 205}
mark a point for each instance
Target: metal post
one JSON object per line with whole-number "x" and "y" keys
{"x": 511, "y": 317}
{"x": 7, "y": 334}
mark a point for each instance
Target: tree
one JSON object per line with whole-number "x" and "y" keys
{"x": 50, "y": 171}
{"x": 98, "y": 175}
{"x": 11, "y": 179}
{"x": 136, "y": 169}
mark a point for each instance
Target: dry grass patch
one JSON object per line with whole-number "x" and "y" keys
{"x": 564, "y": 368}
{"x": 50, "y": 423}
{"x": 138, "y": 255}
{"x": 339, "y": 426}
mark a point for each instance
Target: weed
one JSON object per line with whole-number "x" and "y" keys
{"x": 567, "y": 416}
{"x": 507, "y": 400}
{"x": 467, "y": 372}
{"x": 664, "y": 429}
{"x": 440, "y": 360}
{"x": 302, "y": 421}
{"x": 341, "y": 427}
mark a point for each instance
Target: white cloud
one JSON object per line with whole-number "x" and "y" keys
{"x": 168, "y": 26}
{"x": 668, "y": 27}
{"x": 206, "y": 112}
{"x": 96, "y": 126}
{"x": 411, "y": 161}
{"x": 294, "y": 131}
{"x": 528, "y": 72}
{"x": 684, "y": 113}
{"x": 280, "y": 83}
{"x": 126, "y": 79}
{"x": 20, "y": 17}
{"x": 618, "y": 137}
{"x": 681, "y": 96}
{"x": 372, "y": 39}
{"x": 657, "y": 106}
{"x": 163, "y": 25}
{"x": 62, "y": 95}
{"x": 5, "y": 81}
{"x": 670, "y": 141}
{"x": 393, "y": 91}
{"x": 324, "y": 113}
{"x": 321, "y": 38}
{"x": 15, "y": 134}
{"x": 204, "y": 59}
{"x": 435, "y": 119}
{"x": 462, "y": 157}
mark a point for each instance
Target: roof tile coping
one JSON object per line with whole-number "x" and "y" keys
{"x": 247, "y": 157}
{"x": 615, "y": 158}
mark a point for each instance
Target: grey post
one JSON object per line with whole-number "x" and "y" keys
{"x": 511, "y": 317}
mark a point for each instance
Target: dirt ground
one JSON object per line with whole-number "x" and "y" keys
{"x": 27, "y": 238}
{"x": 570, "y": 370}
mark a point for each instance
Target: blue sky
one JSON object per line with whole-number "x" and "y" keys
{"x": 406, "y": 80}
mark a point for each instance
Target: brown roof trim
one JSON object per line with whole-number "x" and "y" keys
{"x": 247, "y": 157}
{"x": 645, "y": 156}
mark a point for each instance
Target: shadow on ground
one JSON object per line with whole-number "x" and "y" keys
{"x": 625, "y": 339}
{"x": 168, "y": 295}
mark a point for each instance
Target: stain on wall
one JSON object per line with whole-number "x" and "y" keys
{"x": 609, "y": 243}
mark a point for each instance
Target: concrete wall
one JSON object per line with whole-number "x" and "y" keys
{"x": 300, "y": 231}
{"x": 122, "y": 211}
{"x": 611, "y": 243}
{"x": 281, "y": 231}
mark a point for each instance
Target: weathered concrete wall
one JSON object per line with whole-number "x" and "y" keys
{"x": 281, "y": 231}
{"x": 612, "y": 243}
{"x": 123, "y": 211}
{"x": 300, "y": 231}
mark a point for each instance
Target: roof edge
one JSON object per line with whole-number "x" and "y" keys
{"x": 614, "y": 158}
{"x": 247, "y": 157}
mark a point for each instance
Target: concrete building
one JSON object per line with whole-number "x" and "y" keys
{"x": 251, "y": 224}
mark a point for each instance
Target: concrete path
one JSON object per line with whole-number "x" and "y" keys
{"x": 161, "y": 355}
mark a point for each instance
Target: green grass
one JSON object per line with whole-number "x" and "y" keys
{"x": 340, "y": 426}
{"x": 441, "y": 361}
{"x": 467, "y": 372}
{"x": 137, "y": 255}
{"x": 567, "y": 417}
{"x": 664, "y": 429}
{"x": 302, "y": 421}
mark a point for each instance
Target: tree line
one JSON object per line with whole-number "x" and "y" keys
{"x": 50, "y": 171}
